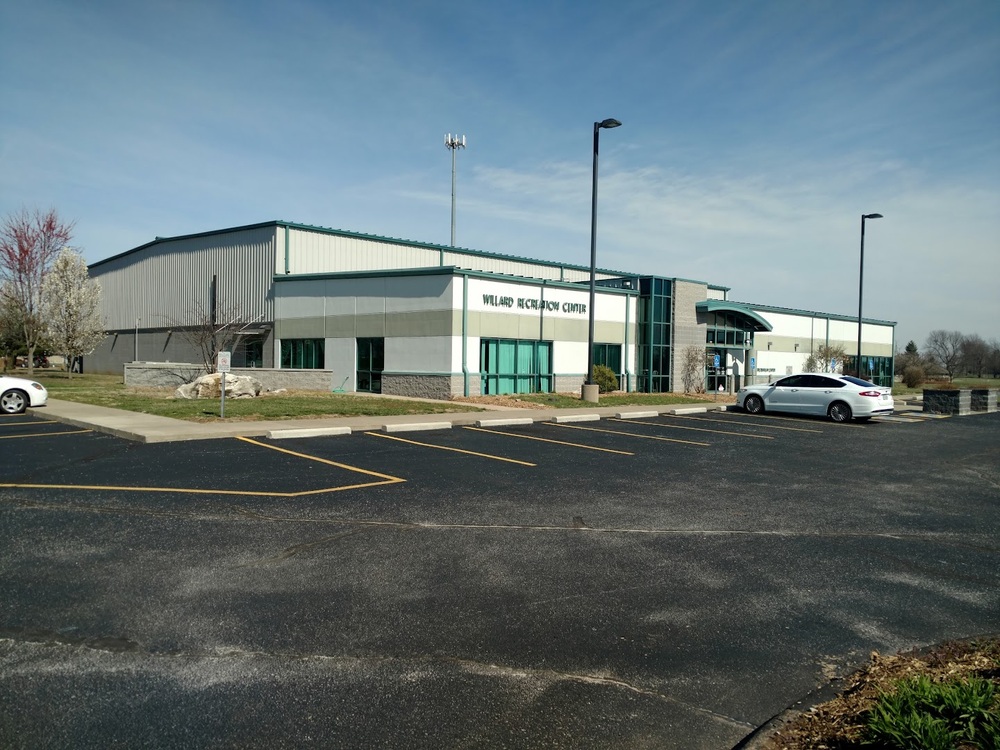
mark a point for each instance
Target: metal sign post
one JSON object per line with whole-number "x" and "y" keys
{"x": 222, "y": 365}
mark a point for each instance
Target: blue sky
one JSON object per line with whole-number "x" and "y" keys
{"x": 754, "y": 134}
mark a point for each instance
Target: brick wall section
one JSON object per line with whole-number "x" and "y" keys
{"x": 422, "y": 386}
{"x": 162, "y": 374}
{"x": 984, "y": 399}
{"x": 167, "y": 374}
{"x": 948, "y": 402}
{"x": 687, "y": 330}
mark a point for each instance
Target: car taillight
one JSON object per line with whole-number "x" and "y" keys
{"x": 876, "y": 394}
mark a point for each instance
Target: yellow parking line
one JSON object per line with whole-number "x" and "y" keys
{"x": 446, "y": 448}
{"x": 320, "y": 460}
{"x": 38, "y": 421}
{"x": 630, "y": 434}
{"x": 775, "y": 417}
{"x": 42, "y": 434}
{"x": 730, "y": 421}
{"x": 195, "y": 490}
{"x": 384, "y": 479}
{"x": 547, "y": 440}
{"x": 696, "y": 429}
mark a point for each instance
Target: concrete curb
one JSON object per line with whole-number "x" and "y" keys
{"x": 691, "y": 410}
{"x": 307, "y": 432}
{"x": 504, "y": 422}
{"x": 561, "y": 419}
{"x": 416, "y": 426}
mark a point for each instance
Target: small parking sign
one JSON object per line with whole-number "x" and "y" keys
{"x": 223, "y": 361}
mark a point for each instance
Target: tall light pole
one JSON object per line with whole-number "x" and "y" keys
{"x": 454, "y": 143}
{"x": 861, "y": 285}
{"x": 590, "y": 390}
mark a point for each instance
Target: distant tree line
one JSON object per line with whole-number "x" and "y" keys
{"x": 949, "y": 354}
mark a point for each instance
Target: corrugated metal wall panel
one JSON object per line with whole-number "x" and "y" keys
{"x": 317, "y": 252}
{"x": 313, "y": 252}
{"x": 164, "y": 284}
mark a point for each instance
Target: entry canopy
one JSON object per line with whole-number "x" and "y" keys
{"x": 750, "y": 320}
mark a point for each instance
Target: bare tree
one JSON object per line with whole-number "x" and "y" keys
{"x": 820, "y": 359}
{"x": 29, "y": 243}
{"x": 975, "y": 354}
{"x": 993, "y": 360}
{"x": 211, "y": 332}
{"x": 693, "y": 369}
{"x": 945, "y": 347}
{"x": 71, "y": 307}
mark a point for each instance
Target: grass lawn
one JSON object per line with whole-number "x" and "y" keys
{"x": 110, "y": 391}
{"x": 566, "y": 401}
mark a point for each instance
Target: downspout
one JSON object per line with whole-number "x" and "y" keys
{"x": 465, "y": 333}
{"x": 628, "y": 375}
{"x": 828, "y": 334}
{"x": 287, "y": 259}
{"x": 892, "y": 360}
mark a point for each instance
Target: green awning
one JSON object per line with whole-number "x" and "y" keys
{"x": 751, "y": 321}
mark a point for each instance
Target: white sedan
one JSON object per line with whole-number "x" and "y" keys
{"x": 17, "y": 394}
{"x": 840, "y": 397}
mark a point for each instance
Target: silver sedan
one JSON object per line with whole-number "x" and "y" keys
{"x": 17, "y": 394}
{"x": 840, "y": 397}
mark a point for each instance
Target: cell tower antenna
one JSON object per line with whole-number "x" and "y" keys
{"x": 453, "y": 142}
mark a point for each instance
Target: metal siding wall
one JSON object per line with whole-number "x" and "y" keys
{"x": 313, "y": 252}
{"x": 162, "y": 284}
{"x": 317, "y": 252}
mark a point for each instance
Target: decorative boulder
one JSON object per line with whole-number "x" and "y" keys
{"x": 207, "y": 386}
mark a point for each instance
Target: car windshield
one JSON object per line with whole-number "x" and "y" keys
{"x": 858, "y": 381}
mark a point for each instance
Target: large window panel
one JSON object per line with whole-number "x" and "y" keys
{"x": 515, "y": 366}
{"x": 302, "y": 354}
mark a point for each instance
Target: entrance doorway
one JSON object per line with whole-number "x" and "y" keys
{"x": 715, "y": 367}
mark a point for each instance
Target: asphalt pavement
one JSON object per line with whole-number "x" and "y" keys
{"x": 600, "y": 577}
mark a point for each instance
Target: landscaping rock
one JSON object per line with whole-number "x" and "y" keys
{"x": 207, "y": 386}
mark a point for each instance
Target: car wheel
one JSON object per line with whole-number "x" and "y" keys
{"x": 754, "y": 405}
{"x": 840, "y": 412}
{"x": 13, "y": 402}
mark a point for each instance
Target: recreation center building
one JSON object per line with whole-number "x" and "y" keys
{"x": 383, "y": 315}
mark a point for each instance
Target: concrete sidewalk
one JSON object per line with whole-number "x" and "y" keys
{"x": 149, "y": 428}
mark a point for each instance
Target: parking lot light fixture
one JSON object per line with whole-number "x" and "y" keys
{"x": 861, "y": 284}
{"x": 588, "y": 389}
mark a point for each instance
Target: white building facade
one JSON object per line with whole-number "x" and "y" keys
{"x": 392, "y": 316}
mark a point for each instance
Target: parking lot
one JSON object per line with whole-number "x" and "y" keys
{"x": 669, "y": 581}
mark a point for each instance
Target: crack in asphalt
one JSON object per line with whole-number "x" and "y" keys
{"x": 118, "y": 645}
{"x": 302, "y": 547}
{"x": 959, "y": 542}
{"x": 591, "y": 679}
{"x": 983, "y": 476}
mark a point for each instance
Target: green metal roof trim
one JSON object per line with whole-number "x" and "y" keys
{"x": 814, "y": 314}
{"x": 720, "y": 305}
{"x": 450, "y": 271}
